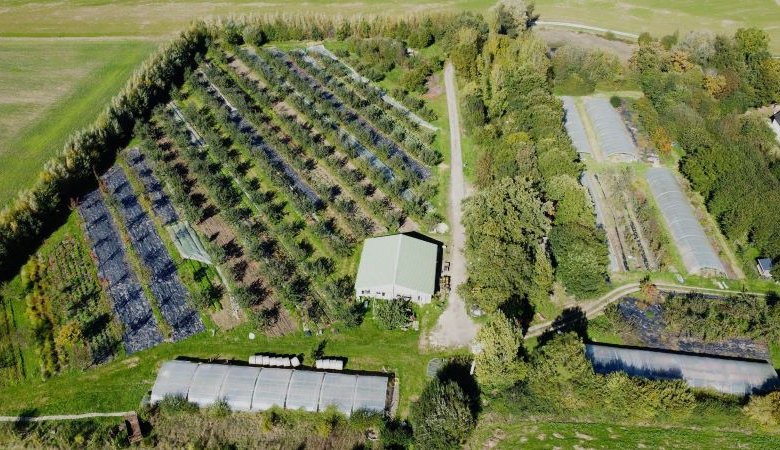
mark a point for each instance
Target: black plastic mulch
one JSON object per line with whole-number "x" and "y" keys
{"x": 141, "y": 330}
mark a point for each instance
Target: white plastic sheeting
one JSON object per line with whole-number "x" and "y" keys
{"x": 575, "y": 128}
{"x": 274, "y": 361}
{"x": 188, "y": 243}
{"x": 611, "y": 132}
{"x": 331, "y": 364}
{"x": 697, "y": 253}
{"x": 338, "y": 390}
{"x": 247, "y": 388}
{"x": 238, "y": 386}
{"x": 728, "y": 375}
{"x": 304, "y": 392}
{"x": 174, "y": 378}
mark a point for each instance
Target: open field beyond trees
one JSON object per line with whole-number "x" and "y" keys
{"x": 49, "y": 89}
{"x": 134, "y": 17}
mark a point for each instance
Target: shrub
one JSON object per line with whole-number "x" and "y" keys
{"x": 765, "y": 410}
{"x": 176, "y": 404}
{"x": 441, "y": 418}
{"x": 392, "y": 314}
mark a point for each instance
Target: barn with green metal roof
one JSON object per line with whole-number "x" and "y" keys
{"x": 397, "y": 266}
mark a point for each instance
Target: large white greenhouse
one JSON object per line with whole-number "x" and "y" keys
{"x": 247, "y": 388}
{"x": 728, "y": 375}
{"x": 697, "y": 252}
{"x": 613, "y": 137}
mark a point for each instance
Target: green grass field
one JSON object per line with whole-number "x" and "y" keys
{"x": 49, "y": 89}
{"x": 660, "y": 17}
{"x": 496, "y": 433}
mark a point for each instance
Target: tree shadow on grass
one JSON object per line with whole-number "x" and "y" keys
{"x": 23, "y": 425}
{"x": 569, "y": 320}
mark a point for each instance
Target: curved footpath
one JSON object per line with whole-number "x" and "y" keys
{"x": 596, "y": 307}
{"x": 578, "y": 26}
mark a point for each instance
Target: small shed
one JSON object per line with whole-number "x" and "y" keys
{"x": 397, "y": 266}
{"x": 764, "y": 266}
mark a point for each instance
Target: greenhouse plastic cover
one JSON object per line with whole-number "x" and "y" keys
{"x": 338, "y": 390}
{"x": 728, "y": 375}
{"x": 238, "y": 385}
{"x": 575, "y": 127}
{"x": 271, "y": 388}
{"x": 689, "y": 236}
{"x": 174, "y": 378}
{"x": 206, "y": 384}
{"x": 610, "y": 130}
{"x": 304, "y": 390}
{"x": 259, "y": 388}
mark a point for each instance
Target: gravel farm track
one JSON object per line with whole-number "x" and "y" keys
{"x": 454, "y": 327}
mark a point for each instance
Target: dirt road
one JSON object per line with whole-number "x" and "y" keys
{"x": 597, "y": 307}
{"x": 454, "y": 328}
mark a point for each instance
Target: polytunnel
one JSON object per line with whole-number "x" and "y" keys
{"x": 698, "y": 255}
{"x": 727, "y": 375}
{"x": 611, "y": 132}
{"x": 575, "y": 128}
{"x": 246, "y": 388}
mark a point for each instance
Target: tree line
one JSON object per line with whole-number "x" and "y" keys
{"x": 531, "y": 213}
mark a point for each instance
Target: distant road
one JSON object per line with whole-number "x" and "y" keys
{"x": 62, "y": 417}
{"x": 595, "y": 308}
{"x": 544, "y": 23}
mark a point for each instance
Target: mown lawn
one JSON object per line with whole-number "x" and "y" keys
{"x": 48, "y": 90}
{"x": 500, "y": 433}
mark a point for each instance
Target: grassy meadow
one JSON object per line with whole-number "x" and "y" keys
{"x": 49, "y": 89}
{"x": 660, "y": 17}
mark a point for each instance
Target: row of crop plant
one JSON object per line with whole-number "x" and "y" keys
{"x": 71, "y": 320}
{"x": 368, "y": 100}
{"x": 365, "y": 216}
{"x": 394, "y": 178}
{"x": 245, "y": 204}
{"x": 164, "y": 143}
{"x": 298, "y": 149}
{"x": 298, "y": 237}
{"x": 296, "y": 161}
{"x": 367, "y": 131}
{"x": 366, "y": 173}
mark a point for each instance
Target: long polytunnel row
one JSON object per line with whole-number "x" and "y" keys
{"x": 611, "y": 132}
{"x": 728, "y": 375}
{"x": 251, "y": 388}
{"x": 698, "y": 255}
{"x": 575, "y": 128}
